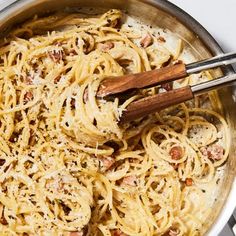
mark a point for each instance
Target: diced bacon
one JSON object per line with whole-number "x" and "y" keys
{"x": 107, "y": 162}
{"x": 28, "y": 80}
{"x": 176, "y": 152}
{"x": 167, "y": 86}
{"x": 161, "y": 39}
{"x": 189, "y": 182}
{"x": 118, "y": 232}
{"x": 3, "y": 220}
{"x": 214, "y": 152}
{"x": 130, "y": 180}
{"x": 105, "y": 47}
{"x": 56, "y": 56}
{"x": 146, "y": 41}
{"x": 77, "y": 233}
{"x": 28, "y": 97}
{"x": 204, "y": 151}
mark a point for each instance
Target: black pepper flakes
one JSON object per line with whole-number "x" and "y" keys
{"x": 84, "y": 164}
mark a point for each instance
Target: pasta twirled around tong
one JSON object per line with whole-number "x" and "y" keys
{"x": 67, "y": 167}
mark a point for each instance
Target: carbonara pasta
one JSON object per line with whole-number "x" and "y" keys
{"x": 68, "y": 167}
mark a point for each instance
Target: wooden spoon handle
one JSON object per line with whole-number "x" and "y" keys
{"x": 151, "y": 104}
{"x": 120, "y": 84}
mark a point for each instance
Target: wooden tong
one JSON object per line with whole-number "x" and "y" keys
{"x": 151, "y": 104}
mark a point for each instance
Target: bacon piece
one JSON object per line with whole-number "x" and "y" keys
{"x": 189, "y": 181}
{"x": 28, "y": 80}
{"x": 130, "y": 180}
{"x": 3, "y": 221}
{"x": 118, "y": 232}
{"x": 56, "y": 56}
{"x": 105, "y": 47}
{"x": 176, "y": 152}
{"x": 146, "y": 41}
{"x": 107, "y": 162}
{"x": 28, "y": 97}
{"x": 167, "y": 86}
{"x": 214, "y": 152}
{"x": 76, "y": 233}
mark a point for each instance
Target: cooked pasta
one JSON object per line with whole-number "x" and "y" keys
{"x": 68, "y": 166}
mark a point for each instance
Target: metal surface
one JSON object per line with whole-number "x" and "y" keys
{"x": 213, "y": 84}
{"x": 197, "y": 40}
{"x": 225, "y": 59}
{"x": 232, "y": 224}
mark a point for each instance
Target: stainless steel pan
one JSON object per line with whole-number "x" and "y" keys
{"x": 200, "y": 42}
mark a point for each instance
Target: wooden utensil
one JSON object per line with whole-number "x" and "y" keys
{"x": 116, "y": 85}
{"x": 151, "y": 104}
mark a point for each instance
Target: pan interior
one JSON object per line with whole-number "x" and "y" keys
{"x": 151, "y": 13}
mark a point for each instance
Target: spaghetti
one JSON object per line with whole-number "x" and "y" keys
{"x": 67, "y": 167}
